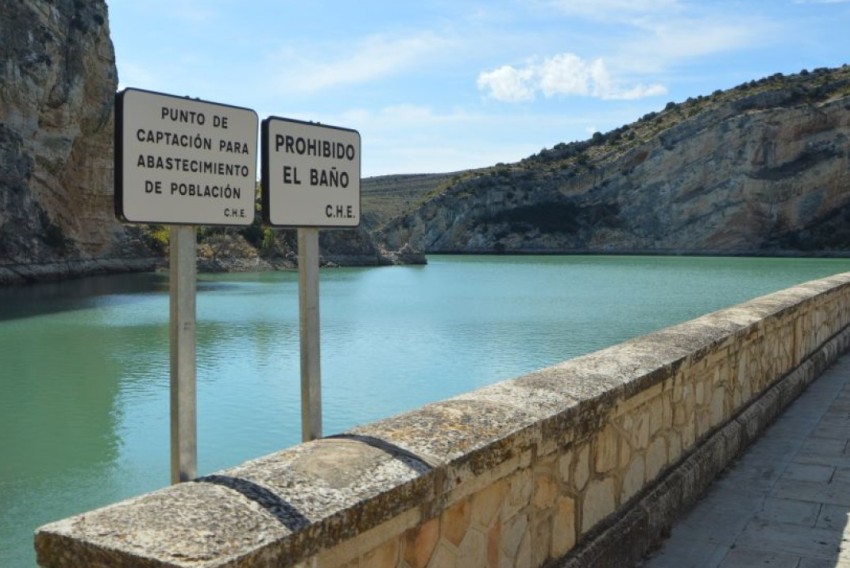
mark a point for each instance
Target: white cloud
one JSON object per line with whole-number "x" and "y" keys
{"x": 565, "y": 74}
{"x": 568, "y": 74}
{"x": 508, "y": 84}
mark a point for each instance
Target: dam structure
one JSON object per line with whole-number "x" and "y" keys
{"x": 585, "y": 463}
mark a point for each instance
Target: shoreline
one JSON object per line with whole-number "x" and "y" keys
{"x": 23, "y": 274}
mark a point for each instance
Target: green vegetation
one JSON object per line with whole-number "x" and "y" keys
{"x": 156, "y": 237}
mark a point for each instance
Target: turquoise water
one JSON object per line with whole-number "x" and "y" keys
{"x": 84, "y": 417}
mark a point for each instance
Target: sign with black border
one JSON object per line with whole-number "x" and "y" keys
{"x": 310, "y": 174}
{"x": 183, "y": 161}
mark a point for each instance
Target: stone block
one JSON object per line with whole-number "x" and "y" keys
{"x": 598, "y": 502}
{"x": 702, "y": 422}
{"x": 545, "y": 492}
{"x": 737, "y": 398}
{"x": 444, "y": 557}
{"x": 454, "y": 522}
{"x": 419, "y": 543}
{"x": 606, "y": 444}
{"x": 688, "y": 434}
{"x": 582, "y": 469}
{"x": 513, "y": 532}
{"x": 473, "y": 549}
{"x": 565, "y": 466}
{"x": 494, "y": 542}
{"x": 656, "y": 458}
{"x": 680, "y": 415}
{"x": 674, "y": 446}
{"x": 487, "y": 504}
{"x": 639, "y": 434}
{"x": 467, "y": 484}
{"x": 679, "y": 388}
{"x": 520, "y": 486}
{"x": 563, "y": 527}
{"x": 524, "y": 557}
{"x": 699, "y": 389}
{"x": 667, "y": 410}
{"x": 541, "y": 541}
{"x": 718, "y": 405}
{"x": 625, "y": 453}
{"x": 639, "y": 399}
{"x": 384, "y": 556}
{"x": 370, "y": 539}
{"x": 634, "y": 479}
{"x": 656, "y": 414}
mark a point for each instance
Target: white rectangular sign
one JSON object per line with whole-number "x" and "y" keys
{"x": 183, "y": 161}
{"x": 310, "y": 174}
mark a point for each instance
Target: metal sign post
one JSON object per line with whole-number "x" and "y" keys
{"x": 182, "y": 277}
{"x": 183, "y": 162}
{"x": 308, "y": 303}
{"x": 311, "y": 180}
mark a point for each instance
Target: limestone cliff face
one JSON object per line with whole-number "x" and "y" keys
{"x": 57, "y": 85}
{"x": 760, "y": 169}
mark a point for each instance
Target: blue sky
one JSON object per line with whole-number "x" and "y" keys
{"x": 444, "y": 85}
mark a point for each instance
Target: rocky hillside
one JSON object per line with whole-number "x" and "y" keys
{"x": 383, "y": 198}
{"x": 763, "y": 168}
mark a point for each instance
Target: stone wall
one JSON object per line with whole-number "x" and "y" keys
{"x": 585, "y": 463}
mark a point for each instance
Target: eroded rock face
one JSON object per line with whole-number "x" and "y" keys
{"x": 758, "y": 170}
{"x": 57, "y": 87}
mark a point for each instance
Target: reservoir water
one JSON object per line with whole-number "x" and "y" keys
{"x": 84, "y": 417}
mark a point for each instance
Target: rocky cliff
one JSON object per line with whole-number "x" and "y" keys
{"x": 760, "y": 169}
{"x": 57, "y": 85}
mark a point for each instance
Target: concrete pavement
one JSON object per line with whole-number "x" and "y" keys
{"x": 785, "y": 502}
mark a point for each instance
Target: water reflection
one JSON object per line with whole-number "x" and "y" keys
{"x": 59, "y": 414}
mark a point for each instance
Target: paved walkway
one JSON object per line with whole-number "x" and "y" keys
{"x": 785, "y": 502}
